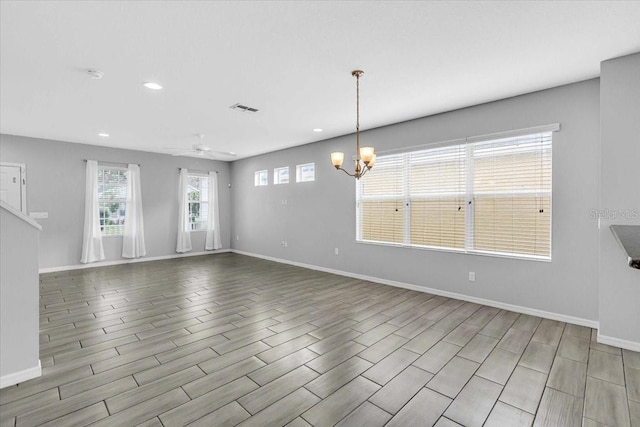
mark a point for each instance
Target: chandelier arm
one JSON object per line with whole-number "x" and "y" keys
{"x": 343, "y": 170}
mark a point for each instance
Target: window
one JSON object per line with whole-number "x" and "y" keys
{"x": 198, "y": 196}
{"x": 112, "y": 199}
{"x": 261, "y": 178}
{"x": 490, "y": 197}
{"x": 306, "y": 172}
{"x": 281, "y": 175}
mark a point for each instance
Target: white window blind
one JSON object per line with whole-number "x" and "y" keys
{"x": 484, "y": 197}
{"x": 512, "y": 195}
{"x": 437, "y": 182}
{"x": 381, "y": 201}
{"x": 198, "y": 196}
{"x": 112, "y": 199}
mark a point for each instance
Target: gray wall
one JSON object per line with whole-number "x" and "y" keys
{"x": 320, "y": 216}
{"x": 19, "y": 295}
{"x": 56, "y": 184}
{"x": 619, "y": 194}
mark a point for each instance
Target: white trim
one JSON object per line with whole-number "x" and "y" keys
{"x": 6, "y": 206}
{"x": 21, "y": 376}
{"x": 128, "y": 261}
{"x": 505, "y": 306}
{"x": 617, "y": 342}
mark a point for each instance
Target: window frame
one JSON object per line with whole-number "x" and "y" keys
{"x": 470, "y": 196}
{"x": 204, "y": 223}
{"x": 299, "y": 172}
{"x": 277, "y": 178}
{"x": 257, "y": 180}
{"x": 102, "y": 202}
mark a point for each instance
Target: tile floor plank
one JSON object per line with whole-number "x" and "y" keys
{"x": 452, "y": 378}
{"x": 383, "y": 371}
{"x": 437, "y": 356}
{"x": 606, "y": 403}
{"x": 524, "y": 389}
{"x": 341, "y": 403}
{"x": 268, "y": 394}
{"x": 209, "y": 402}
{"x": 424, "y": 410}
{"x": 338, "y": 376}
{"x": 366, "y": 415}
{"x": 397, "y": 392}
{"x": 473, "y": 404}
{"x": 499, "y": 366}
{"x": 504, "y": 415}
{"x": 558, "y": 409}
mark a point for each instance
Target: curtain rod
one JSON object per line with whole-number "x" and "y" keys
{"x": 196, "y": 170}
{"x": 112, "y": 163}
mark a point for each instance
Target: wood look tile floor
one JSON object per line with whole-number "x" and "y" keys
{"x": 226, "y": 340}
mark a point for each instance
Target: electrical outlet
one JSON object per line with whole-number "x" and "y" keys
{"x": 337, "y": 252}
{"x": 472, "y": 276}
{"x": 286, "y": 244}
{"x": 237, "y": 237}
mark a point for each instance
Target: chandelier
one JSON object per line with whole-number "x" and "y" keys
{"x": 365, "y": 156}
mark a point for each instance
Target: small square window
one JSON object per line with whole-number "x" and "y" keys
{"x": 281, "y": 175}
{"x": 306, "y": 172}
{"x": 261, "y": 178}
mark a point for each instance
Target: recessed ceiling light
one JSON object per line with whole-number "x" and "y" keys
{"x": 317, "y": 130}
{"x": 104, "y": 135}
{"x": 152, "y": 85}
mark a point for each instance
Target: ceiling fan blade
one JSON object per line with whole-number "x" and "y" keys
{"x": 183, "y": 153}
{"x": 221, "y": 153}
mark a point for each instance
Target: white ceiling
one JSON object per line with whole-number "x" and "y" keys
{"x": 291, "y": 60}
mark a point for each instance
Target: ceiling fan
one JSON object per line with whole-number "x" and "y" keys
{"x": 200, "y": 149}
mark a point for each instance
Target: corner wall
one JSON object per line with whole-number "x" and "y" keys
{"x": 56, "y": 184}
{"x": 320, "y": 216}
{"x": 619, "y": 198}
{"x": 19, "y": 295}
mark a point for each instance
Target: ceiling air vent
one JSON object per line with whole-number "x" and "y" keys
{"x": 243, "y": 108}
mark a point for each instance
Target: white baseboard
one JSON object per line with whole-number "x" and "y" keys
{"x": 617, "y": 342}
{"x": 21, "y": 376}
{"x": 128, "y": 261}
{"x": 491, "y": 303}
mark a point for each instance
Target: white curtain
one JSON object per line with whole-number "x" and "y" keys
{"x": 184, "y": 228}
{"x": 133, "y": 237}
{"x": 213, "y": 240}
{"x": 92, "y": 249}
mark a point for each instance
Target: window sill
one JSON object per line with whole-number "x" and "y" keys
{"x": 457, "y": 251}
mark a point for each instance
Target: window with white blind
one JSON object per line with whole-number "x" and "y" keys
{"x": 306, "y": 172}
{"x": 261, "y": 178}
{"x": 198, "y": 196}
{"x": 281, "y": 175}
{"x": 112, "y": 199}
{"x": 491, "y": 197}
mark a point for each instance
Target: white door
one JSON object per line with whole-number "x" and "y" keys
{"x": 12, "y": 186}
